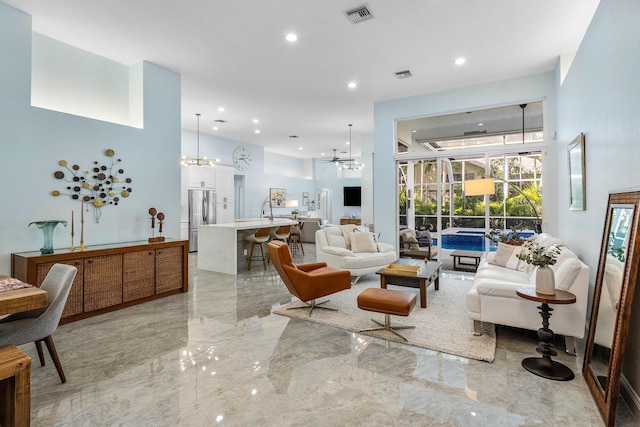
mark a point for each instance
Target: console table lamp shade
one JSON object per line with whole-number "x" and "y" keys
{"x": 291, "y": 203}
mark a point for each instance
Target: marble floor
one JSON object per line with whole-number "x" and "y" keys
{"x": 216, "y": 356}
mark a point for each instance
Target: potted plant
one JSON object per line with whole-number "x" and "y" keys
{"x": 295, "y": 213}
{"x": 510, "y": 237}
{"x": 541, "y": 257}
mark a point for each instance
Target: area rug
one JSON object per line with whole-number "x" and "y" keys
{"x": 442, "y": 326}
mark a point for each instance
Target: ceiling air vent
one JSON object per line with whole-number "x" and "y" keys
{"x": 359, "y": 14}
{"x": 220, "y": 121}
{"x": 403, "y": 74}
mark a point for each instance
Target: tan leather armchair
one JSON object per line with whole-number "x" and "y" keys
{"x": 307, "y": 282}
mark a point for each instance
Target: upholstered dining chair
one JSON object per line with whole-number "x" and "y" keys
{"x": 307, "y": 282}
{"x": 261, "y": 236}
{"x": 38, "y": 325}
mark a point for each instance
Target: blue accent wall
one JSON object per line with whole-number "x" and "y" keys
{"x": 33, "y": 140}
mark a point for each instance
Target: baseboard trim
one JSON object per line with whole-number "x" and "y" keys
{"x": 630, "y": 397}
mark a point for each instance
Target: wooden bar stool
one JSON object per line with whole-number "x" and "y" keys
{"x": 258, "y": 238}
{"x": 282, "y": 233}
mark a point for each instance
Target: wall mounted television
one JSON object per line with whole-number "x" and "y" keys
{"x": 352, "y": 196}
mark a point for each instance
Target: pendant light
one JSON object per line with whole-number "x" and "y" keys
{"x": 350, "y": 164}
{"x": 523, "y": 106}
{"x": 197, "y": 161}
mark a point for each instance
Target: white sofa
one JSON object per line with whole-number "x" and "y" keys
{"x": 493, "y": 298}
{"x": 333, "y": 246}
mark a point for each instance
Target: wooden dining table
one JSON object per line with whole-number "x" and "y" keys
{"x": 16, "y": 296}
{"x": 15, "y": 366}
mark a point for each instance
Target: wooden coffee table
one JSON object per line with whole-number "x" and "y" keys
{"x": 430, "y": 275}
{"x": 466, "y": 266}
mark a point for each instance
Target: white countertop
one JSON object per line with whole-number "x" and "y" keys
{"x": 250, "y": 223}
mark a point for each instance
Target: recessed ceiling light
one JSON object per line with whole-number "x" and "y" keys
{"x": 347, "y": 143}
{"x": 413, "y": 131}
{"x": 352, "y": 85}
{"x": 300, "y": 148}
{"x": 256, "y": 131}
{"x": 221, "y": 109}
{"x": 215, "y": 128}
{"x": 460, "y": 61}
{"x": 480, "y": 124}
{"x": 322, "y": 154}
{"x": 291, "y": 37}
{"x": 256, "y": 121}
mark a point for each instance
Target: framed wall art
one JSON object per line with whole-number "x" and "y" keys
{"x": 277, "y": 197}
{"x": 577, "y": 180}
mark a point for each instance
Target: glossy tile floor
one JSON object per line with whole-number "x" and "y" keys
{"x": 217, "y": 357}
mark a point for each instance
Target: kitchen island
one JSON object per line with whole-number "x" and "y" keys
{"x": 222, "y": 246}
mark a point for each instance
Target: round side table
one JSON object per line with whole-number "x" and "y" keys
{"x": 544, "y": 366}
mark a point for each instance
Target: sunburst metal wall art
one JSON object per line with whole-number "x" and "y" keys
{"x": 99, "y": 187}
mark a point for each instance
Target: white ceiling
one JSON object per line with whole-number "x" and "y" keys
{"x": 233, "y": 53}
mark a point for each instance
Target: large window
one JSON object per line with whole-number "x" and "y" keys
{"x": 432, "y": 191}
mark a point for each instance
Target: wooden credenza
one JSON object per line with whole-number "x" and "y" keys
{"x": 111, "y": 276}
{"x": 345, "y": 221}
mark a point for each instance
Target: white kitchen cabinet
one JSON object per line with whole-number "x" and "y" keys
{"x": 224, "y": 184}
{"x": 202, "y": 176}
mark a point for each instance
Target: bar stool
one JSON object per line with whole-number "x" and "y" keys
{"x": 281, "y": 233}
{"x": 258, "y": 238}
{"x": 295, "y": 238}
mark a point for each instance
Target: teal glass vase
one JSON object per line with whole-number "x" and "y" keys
{"x": 47, "y": 230}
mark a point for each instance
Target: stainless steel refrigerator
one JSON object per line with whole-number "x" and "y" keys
{"x": 202, "y": 211}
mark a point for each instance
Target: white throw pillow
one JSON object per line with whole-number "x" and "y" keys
{"x": 337, "y": 241}
{"x": 363, "y": 242}
{"x": 514, "y": 262}
{"x": 566, "y": 273}
{"x": 502, "y": 254}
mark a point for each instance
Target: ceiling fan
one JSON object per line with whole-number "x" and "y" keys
{"x": 337, "y": 159}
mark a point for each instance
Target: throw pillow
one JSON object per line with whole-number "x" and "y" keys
{"x": 363, "y": 242}
{"x": 514, "y": 262}
{"x": 411, "y": 242}
{"x": 567, "y": 273}
{"x": 337, "y": 241}
{"x": 502, "y": 254}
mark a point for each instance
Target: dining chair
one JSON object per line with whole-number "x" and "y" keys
{"x": 295, "y": 238}
{"x": 38, "y": 325}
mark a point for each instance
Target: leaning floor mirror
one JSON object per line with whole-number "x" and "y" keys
{"x": 612, "y": 299}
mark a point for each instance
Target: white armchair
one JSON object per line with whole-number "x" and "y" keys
{"x": 352, "y": 248}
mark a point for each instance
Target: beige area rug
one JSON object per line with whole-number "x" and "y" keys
{"x": 442, "y": 326}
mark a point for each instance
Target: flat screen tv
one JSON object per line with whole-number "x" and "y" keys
{"x": 352, "y": 196}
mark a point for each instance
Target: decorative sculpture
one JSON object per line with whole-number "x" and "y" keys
{"x": 99, "y": 187}
{"x": 155, "y": 214}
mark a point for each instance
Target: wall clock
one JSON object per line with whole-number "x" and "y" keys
{"x": 241, "y": 158}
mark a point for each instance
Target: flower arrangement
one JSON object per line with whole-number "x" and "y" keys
{"x": 539, "y": 256}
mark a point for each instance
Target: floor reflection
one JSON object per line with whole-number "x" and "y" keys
{"x": 217, "y": 356}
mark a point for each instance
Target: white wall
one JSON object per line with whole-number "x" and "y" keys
{"x": 33, "y": 140}
{"x": 507, "y": 92}
{"x": 70, "y": 80}
{"x": 600, "y": 96}
{"x": 267, "y": 170}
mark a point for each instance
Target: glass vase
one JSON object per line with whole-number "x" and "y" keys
{"x": 47, "y": 228}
